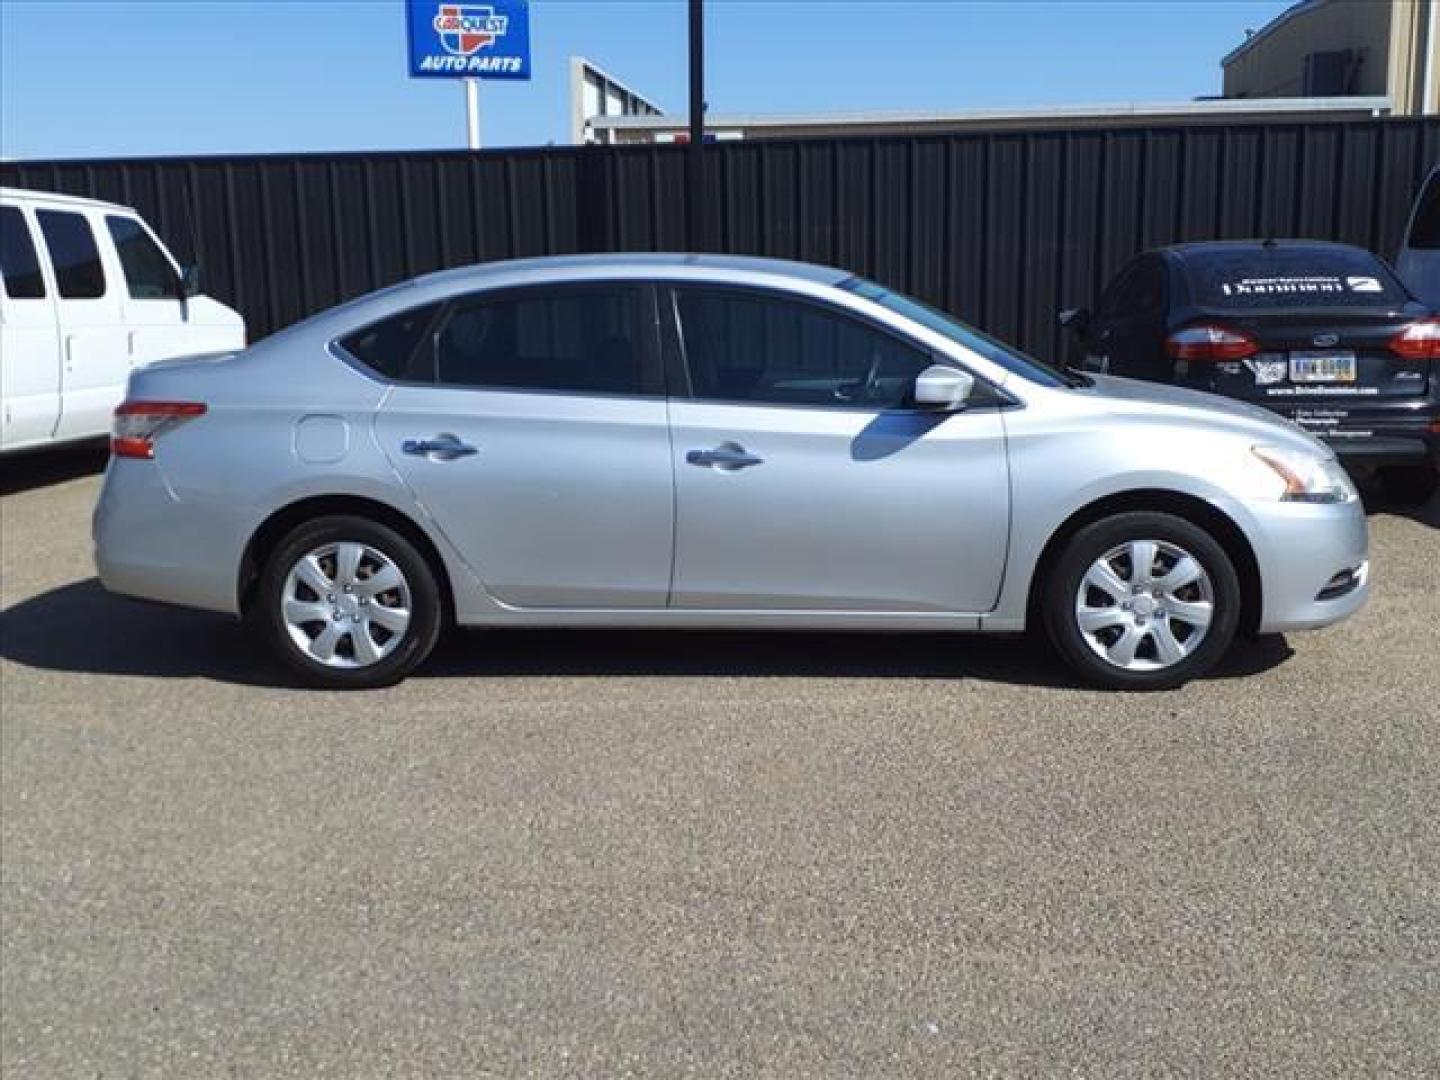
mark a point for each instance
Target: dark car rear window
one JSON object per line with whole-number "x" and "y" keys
{"x": 1258, "y": 279}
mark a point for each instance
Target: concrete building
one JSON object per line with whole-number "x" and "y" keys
{"x": 664, "y": 128}
{"x": 1337, "y": 48}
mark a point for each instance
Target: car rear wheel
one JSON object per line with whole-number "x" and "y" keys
{"x": 1409, "y": 485}
{"x": 348, "y": 603}
{"x": 1142, "y": 601}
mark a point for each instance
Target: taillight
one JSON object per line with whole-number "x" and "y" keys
{"x": 1210, "y": 342}
{"x": 1418, "y": 341}
{"x": 139, "y": 423}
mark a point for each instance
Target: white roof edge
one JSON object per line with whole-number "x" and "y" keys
{"x": 1301, "y": 8}
{"x": 55, "y": 196}
{"x": 1209, "y": 107}
{"x": 618, "y": 82}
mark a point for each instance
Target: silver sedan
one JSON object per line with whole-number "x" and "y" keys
{"x": 686, "y": 441}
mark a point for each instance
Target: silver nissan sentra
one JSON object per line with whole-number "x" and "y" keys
{"x": 707, "y": 441}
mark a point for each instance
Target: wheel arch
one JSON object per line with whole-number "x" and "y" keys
{"x": 1191, "y": 508}
{"x": 275, "y": 527}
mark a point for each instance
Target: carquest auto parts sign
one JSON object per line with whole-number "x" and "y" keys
{"x": 469, "y": 41}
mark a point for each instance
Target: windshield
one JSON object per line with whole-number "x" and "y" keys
{"x": 1246, "y": 279}
{"x": 997, "y": 352}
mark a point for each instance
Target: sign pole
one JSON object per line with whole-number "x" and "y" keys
{"x": 694, "y": 153}
{"x": 472, "y": 112}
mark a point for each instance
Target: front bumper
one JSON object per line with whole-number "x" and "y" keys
{"x": 1314, "y": 563}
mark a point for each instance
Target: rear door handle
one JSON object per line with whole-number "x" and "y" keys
{"x": 443, "y": 447}
{"x": 727, "y": 457}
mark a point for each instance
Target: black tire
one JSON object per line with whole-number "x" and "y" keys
{"x": 1409, "y": 485}
{"x": 1088, "y": 546}
{"x": 406, "y": 650}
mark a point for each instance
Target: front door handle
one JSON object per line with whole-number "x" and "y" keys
{"x": 727, "y": 457}
{"x": 443, "y": 447}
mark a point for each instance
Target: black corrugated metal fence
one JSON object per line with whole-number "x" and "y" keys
{"x": 1002, "y": 228}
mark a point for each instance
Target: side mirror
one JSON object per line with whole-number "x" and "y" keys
{"x": 943, "y": 387}
{"x": 190, "y": 282}
{"x": 1076, "y": 319}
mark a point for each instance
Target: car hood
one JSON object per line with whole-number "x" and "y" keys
{"x": 1132, "y": 396}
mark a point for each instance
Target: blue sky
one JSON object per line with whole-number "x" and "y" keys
{"x": 110, "y": 77}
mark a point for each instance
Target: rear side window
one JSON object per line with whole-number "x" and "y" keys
{"x": 750, "y": 346}
{"x": 582, "y": 340}
{"x": 1258, "y": 279}
{"x": 149, "y": 274}
{"x": 78, "y": 273}
{"x": 1139, "y": 290}
{"x": 1425, "y": 232}
{"x": 19, "y": 265}
{"x": 398, "y": 347}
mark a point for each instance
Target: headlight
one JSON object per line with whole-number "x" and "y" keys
{"x": 1308, "y": 478}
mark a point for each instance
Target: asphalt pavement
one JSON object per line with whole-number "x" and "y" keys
{"x": 670, "y": 854}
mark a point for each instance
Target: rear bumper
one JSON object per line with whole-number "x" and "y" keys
{"x": 151, "y": 545}
{"x": 1374, "y": 436}
{"x": 1314, "y": 563}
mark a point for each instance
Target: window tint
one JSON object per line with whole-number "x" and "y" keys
{"x": 1259, "y": 278}
{"x": 397, "y": 347}
{"x": 1139, "y": 290}
{"x": 148, "y": 273}
{"x": 73, "y": 253}
{"x": 744, "y": 346}
{"x": 1425, "y": 232}
{"x": 579, "y": 340}
{"x": 19, "y": 265}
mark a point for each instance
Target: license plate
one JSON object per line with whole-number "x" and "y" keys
{"x": 1322, "y": 367}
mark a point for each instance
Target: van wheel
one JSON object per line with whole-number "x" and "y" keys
{"x": 1409, "y": 485}
{"x": 1142, "y": 601}
{"x": 348, "y": 603}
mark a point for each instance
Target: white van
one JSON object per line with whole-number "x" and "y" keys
{"x": 87, "y": 292}
{"x": 1419, "y": 261}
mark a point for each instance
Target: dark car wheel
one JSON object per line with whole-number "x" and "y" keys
{"x": 1409, "y": 485}
{"x": 348, "y": 603}
{"x": 1142, "y": 601}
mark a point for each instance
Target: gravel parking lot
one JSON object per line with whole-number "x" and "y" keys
{"x": 700, "y": 853}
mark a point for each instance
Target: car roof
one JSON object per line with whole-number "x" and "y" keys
{"x": 636, "y": 264}
{"x": 1200, "y": 249}
{"x": 9, "y": 194}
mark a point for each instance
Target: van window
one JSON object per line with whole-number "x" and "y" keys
{"x": 19, "y": 265}
{"x": 73, "y": 254}
{"x": 149, "y": 274}
{"x": 1425, "y": 232}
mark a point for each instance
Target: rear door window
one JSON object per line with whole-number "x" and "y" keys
{"x": 19, "y": 263}
{"x": 570, "y": 339}
{"x": 1260, "y": 279}
{"x": 398, "y": 347}
{"x": 149, "y": 274}
{"x": 79, "y": 274}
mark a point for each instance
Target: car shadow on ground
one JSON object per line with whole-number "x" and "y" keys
{"x": 25, "y": 472}
{"x": 81, "y": 628}
{"x": 1426, "y": 513}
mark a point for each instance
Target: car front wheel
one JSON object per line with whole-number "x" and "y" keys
{"x": 348, "y": 603}
{"x": 1142, "y": 601}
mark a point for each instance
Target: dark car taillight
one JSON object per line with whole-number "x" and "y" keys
{"x": 1418, "y": 341}
{"x": 139, "y": 423}
{"x": 1209, "y": 341}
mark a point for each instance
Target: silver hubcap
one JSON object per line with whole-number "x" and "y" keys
{"x": 346, "y": 605}
{"x": 1145, "y": 605}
